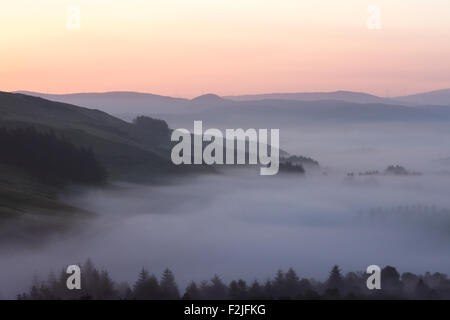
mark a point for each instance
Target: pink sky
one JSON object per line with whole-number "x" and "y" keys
{"x": 191, "y": 47}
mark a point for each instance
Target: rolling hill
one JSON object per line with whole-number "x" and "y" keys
{"x": 119, "y": 102}
{"x": 137, "y": 151}
{"x": 348, "y": 96}
{"x": 282, "y": 108}
{"x": 118, "y": 144}
{"x": 30, "y": 205}
{"x": 437, "y": 97}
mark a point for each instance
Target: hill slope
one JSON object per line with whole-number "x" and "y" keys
{"x": 348, "y": 96}
{"x": 29, "y": 205}
{"x": 437, "y": 97}
{"x": 118, "y": 102}
{"x": 118, "y": 144}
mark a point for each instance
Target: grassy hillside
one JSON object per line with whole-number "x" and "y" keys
{"x": 127, "y": 150}
{"x": 30, "y": 209}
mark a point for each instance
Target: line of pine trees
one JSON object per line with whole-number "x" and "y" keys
{"x": 97, "y": 284}
{"x": 51, "y": 159}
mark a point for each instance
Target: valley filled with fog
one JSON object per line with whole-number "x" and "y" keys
{"x": 237, "y": 223}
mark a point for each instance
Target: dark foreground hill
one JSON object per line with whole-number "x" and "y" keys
{"x": 47, "y": 145}
{"x": 126, "y": 149}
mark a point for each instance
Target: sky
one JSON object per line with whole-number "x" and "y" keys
{"x": 186, "y": 48}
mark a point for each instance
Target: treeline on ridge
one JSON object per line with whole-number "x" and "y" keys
{"x": 97, "y": 284}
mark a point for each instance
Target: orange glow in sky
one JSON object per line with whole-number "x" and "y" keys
{"x": 191, "y": 47}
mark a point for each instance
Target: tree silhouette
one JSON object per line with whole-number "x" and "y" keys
{"x": 169, "y": 289}
{"x": 96, "y": 284}
{"x": 238, "y": 290}
{"x": 335, "y": 279}
{"x": 146, "y": 286}
{"x": 217, "y": 289}
{"x": 192, "y": 292}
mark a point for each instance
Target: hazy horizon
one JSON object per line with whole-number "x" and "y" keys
{"x": 226, "y": 96}
{"x": 249, "y": 47}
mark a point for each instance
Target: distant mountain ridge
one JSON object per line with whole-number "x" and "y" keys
{"x": 129, "y": 104}
{"x": 209, "y": 98}
{"x": 115, "y": 102}
{"x": 348, "y": 96}
{"x": 436, "y": 97}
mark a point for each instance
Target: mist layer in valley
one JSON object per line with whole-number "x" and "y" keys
{"x": 239, "y": 224}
